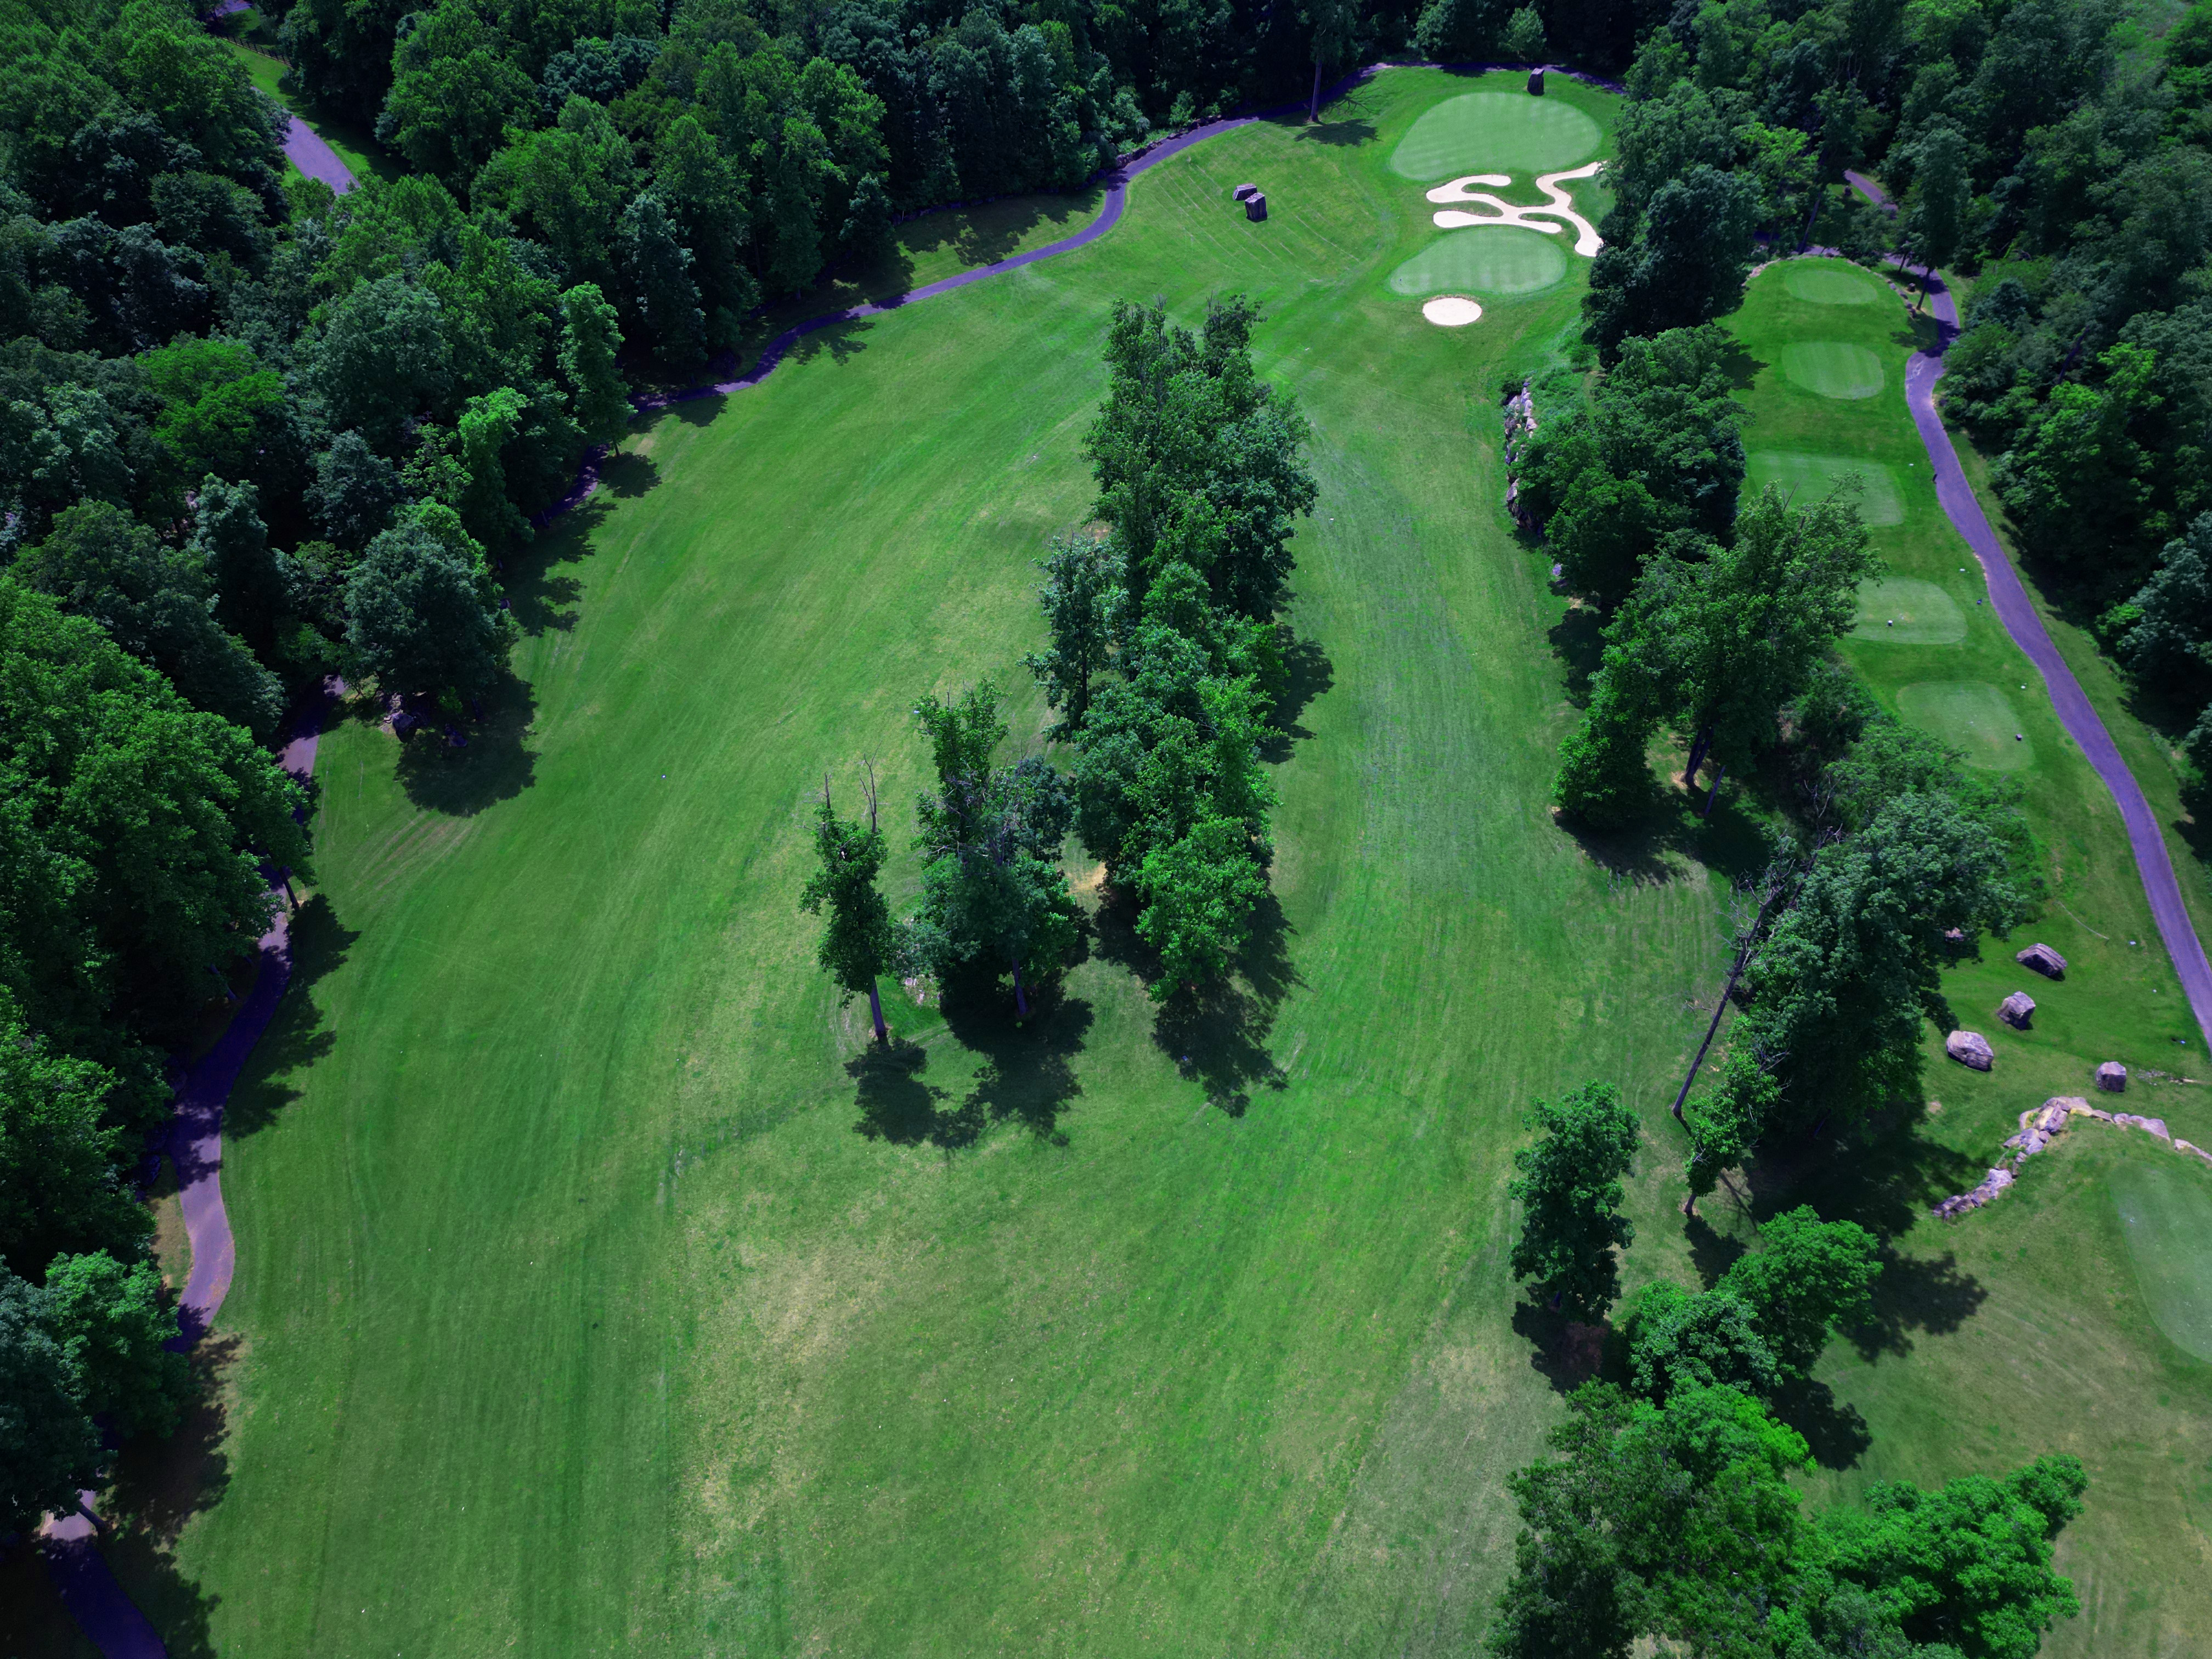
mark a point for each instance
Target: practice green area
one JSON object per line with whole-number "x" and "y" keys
{"x": 1505, "y": 261}
{"x": 2019, "y": 1328}
{"x": 1973, "y": 717}
{"x": 1905, "y": 610}
{"x": 1497, "y": 132}
{"x": 2166, "y": 1213}
{"x": 1833, "y": 368}
{"x": 1826, "y": 285}
{"x": 1809, "y": 477}
{"x": 598, "y": 1290}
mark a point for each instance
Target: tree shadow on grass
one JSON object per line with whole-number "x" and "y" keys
{"x": 1217, "y": 1035}
{"x": 1578, "y": 639}
{"x": 1566, "y": 1352}
{"x": 897, "y": 1106}
{"x": 496, "y": 764}
{"x": 1351, "y": 129}
{"x": 298, "y": 1033}
{"x": 1923, "y": 1293}
{"x": 1712, "y": 1254}
{"x": 158, "y": 1486}
{"x": 1028, "y": 1076}
{"x": 1834, "y": 1430}
{"x": 1308, "y": 675}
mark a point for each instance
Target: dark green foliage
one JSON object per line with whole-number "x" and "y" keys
{"x": 591, "y": 337}
{"x": 1196, "y": 456}
{"x": 1679, "y": 1340}
{"x": 49, "y": 1449}
{"x": 1655, "y": 446}
{"x": 253, "y": 582}
{"x": 59, "y": 1189}
{"x": 354, "y": 490}
{"x": 421, "y": 609}
{"x": 1570, "y": 1193}
{"x": 860, "y": 941}
{"x": 1681, "y": 263}
{"x": 111, "y": 1326}
{"x": 1676, "y": 1521}
{"x": 100, "y": 562}
{"x": 993, "y": 889}
{"x": 1082, "y": 599}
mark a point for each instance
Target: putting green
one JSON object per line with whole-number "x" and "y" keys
{"x": 1973, "y": 716}
{"x": 1828, "y": 285}
{"x": 1906, "y": 612}
{"x": 1501, "y": 261}
{"x": 1833, "y": 368}
{"x": 2166, "y": 1211}
{"x": 1495, "y": 131}
{"x": 1809, "y": 477}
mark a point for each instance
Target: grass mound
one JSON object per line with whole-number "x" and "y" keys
{"x": 1504, "y": 261}
{"x": 2166, "y": 1211}
{"x": 1809, "y": 477}
{"x": 1973, "y": 716}
{"x": 1831, "y": 285}
{"x": 1495, "y": 131}
{"x": 1905, "y": 610}
{"x": 1832, "y": 368}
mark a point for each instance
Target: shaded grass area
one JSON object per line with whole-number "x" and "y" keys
{"x": 600, "y": 1289}
{"x": 33, "y": 1623}
{"x": 2020, "y": 1328}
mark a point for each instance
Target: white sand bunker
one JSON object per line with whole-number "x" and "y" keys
{"x": 1528, "y": 218}
{"x": 1451, "y": 311}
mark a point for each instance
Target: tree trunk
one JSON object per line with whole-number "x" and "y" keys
{"x": 1699, "y": 745}
{"x": 1714, "y": 793}
{"x": 1719, "y": 1008}
{"x": 876, "y": 1007}
{"x": 1021, "y": 1002}
{"x": 1313, "y": 105}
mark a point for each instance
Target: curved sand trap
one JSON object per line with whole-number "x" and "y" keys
{"x": 1905, "y": 612}
{"x": 2166, "y": 1215}
{"x": 1806, "y": 478}
{"x": 1498, "y": 265}
{"x": 1833, "y": 368}
{"x": 1971, "y": 715}
{"x": 1507, "y": 129}
{"x": 1528, "y": 218}
{"x": 1452, "y": 310}
{"x": 1827, "y": 285}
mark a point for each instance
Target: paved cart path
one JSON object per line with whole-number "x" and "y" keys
{"x": 2009, "y": 594}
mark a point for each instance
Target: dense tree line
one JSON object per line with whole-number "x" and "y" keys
{"x": 1667, "y": 1513}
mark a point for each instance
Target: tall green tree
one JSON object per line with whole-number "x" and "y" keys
{"x": 1570, "y": 1193}
{"x": 1809, "y": 1277}
{"x": 860, "y": 940}
{"x": 1082, "y": 599}
{"x": 49, "y": 1449}
{"x": 114, "y": 1330}
{"x": 993, "y": 889}
{"x": 421, "y": 608}
{"x": 590, "y": 339}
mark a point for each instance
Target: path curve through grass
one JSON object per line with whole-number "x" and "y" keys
{"x": 2017, "y": 612}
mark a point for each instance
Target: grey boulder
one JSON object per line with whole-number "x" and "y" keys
{"x": 1970, "y": 1048}
{"x": 2042, "y": 959}
{"x": 2113, "y": 1077}
{"x": 2017, "y": 1010}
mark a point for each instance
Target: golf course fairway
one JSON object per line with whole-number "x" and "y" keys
{"x": 601, "y": 1288}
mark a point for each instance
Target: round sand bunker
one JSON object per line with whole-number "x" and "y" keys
{"x": 1451, "y": 311}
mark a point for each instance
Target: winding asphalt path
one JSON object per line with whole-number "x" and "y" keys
{"x": 79, "y": 1573}
{"x": 306, "y": 150}
{"x": 2008, "y": 595}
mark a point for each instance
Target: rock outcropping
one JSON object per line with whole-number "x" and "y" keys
{"x": 2038, "y": 1129}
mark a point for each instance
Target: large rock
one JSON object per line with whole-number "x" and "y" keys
{"x": 1245, "y": 192}
{"x": 2152, "y": 1125}
{"x": 1256, "y": 206}
{"x": 2042, "y": 959}
{"x": 2113, "y": 1077}
{"x": 1970, "y": 1048}
{"x": 2017, "y": 1010}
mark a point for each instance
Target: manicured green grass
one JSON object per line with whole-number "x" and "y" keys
{"x": 1826, "y": 285}
{"x": 1506, "y": 261}
{"x": 586, "y": 1303}
{"x": 1496, "y": 132}
{"x": 2166, "y": 1211}
{"x": 2020, "y": 1328}
{"x": 1973, "y": 717}
{"x": 1833, "y": 368}
{"x": 1905, "y": 611}
{"x": 1808, "y": 477}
